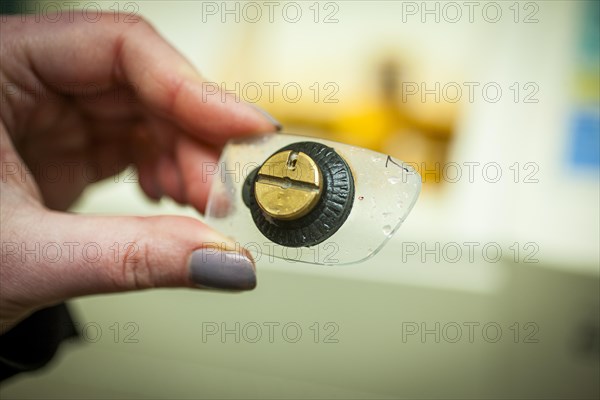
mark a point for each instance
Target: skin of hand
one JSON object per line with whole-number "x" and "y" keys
{"x": 109, "y": 94}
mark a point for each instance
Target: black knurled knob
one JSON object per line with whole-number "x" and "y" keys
{"x": 325, "y": 218}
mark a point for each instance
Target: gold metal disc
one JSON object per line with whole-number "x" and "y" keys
{"x": 289, "y": 185}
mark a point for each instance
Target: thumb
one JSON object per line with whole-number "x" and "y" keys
{"x": 109, "y": 254}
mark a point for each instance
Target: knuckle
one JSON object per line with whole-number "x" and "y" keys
{"x": 133, "y": 270}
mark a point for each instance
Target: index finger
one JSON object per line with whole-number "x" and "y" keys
{"x": 113, "y": 52}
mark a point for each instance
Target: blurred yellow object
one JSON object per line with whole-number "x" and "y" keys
{"x": 416, "y": 128}
{"x": 587, "y": 85}
{"x": 365, "y": 128}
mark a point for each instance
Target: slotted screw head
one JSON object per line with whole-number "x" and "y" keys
{"x": 288, "y": 185}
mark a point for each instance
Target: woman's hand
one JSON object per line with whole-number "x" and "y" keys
{"x": 107, "y": 94}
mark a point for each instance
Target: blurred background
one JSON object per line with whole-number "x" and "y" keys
{"x": 491, "y": 287}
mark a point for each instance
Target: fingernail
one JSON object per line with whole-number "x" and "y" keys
{"x": 226, "y": 270}
{"x": 153, "y": 189}
{"x": 268, "y": 116}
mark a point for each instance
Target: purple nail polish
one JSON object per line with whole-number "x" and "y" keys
{"x": 226, "y": 270}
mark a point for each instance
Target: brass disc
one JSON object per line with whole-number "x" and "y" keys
{"x": 289, "y": 185}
